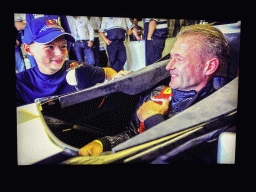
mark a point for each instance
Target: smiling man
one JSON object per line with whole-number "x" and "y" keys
{"x": 45, "y": 40}
{"x": 188, "y": 68}
{"x": 199, "y": 52}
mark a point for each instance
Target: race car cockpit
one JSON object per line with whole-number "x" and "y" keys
{"x": 102, "y": 110}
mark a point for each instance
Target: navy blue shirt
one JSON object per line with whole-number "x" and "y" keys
{"x": 32, "y": 84}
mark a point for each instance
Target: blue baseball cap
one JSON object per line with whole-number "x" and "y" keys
{"x": 43, "y": 30}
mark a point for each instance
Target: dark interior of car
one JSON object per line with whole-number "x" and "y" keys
{"x": 79, "y": 124}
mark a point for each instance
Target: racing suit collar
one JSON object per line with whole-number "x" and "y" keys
{"x": 180, "y": 95}
{"x": 181, "y": 100}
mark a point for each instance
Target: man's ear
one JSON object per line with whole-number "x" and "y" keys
{"x": 27, "y": 48}
{"x": 211, "y": 66}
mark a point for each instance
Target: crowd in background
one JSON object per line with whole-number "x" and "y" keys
{"x": 92, "y": 32}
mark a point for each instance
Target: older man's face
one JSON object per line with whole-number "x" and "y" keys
{"x": 186, "y": 69}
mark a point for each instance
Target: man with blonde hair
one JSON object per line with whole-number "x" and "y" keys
{"x": 199, "y": 52}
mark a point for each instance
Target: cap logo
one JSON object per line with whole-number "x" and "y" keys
{"x": 51, "y": 24}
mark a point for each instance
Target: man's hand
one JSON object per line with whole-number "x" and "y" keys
{"x": 120, "y": 74}
{"x": 107, "y": 41}
{"x": 151, "y": 108}
{"x": 93, "y": 149}
{"x": 90, "y": 43}
{"x": 112, "y": 74}
{"x": 138, "y": 38}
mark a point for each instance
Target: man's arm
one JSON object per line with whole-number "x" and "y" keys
{"x": 20, "y": 25}
{"x": 108, "y": 142}
{"x": 134, "y": 30}
{"x": 107, "y": 41}
{"x": 91, "y": 33}
{"x": 151, "y": 29}
{"x": 102, "y": 30}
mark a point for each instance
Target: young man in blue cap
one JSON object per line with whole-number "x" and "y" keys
{"x": 45, "y": 40}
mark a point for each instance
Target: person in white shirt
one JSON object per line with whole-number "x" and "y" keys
{"x": 95, "y": 23}
{"x": 113, "y": 31}
{"x": 19, "y": 23}
{"x": 83, "y": 32}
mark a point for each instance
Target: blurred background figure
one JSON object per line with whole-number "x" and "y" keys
{"x": 95, "y": 24}
{"x": 139, "y": 30}
{"x": 155, "y": 31}
{"x": 19, "y": 23}
{"x": 113, "y": 31}
{"x": 83, "y": 32}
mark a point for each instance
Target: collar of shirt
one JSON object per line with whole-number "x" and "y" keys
{"x": 55, "y": 76}
{"x": 181, "y": 100}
